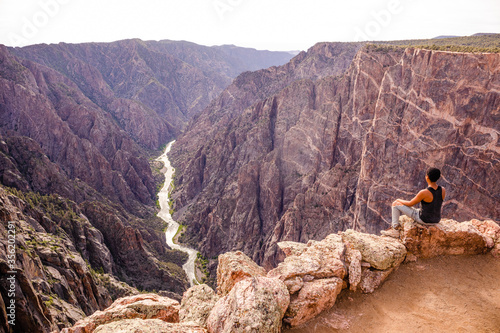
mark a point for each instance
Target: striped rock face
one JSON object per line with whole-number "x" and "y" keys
{"x": 330, "y": 152}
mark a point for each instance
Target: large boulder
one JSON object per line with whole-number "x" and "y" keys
{"x": 380, "y": 252}
{"x": 449, "y": 237}
{"x": 314, "y": 297}
{"x": 491, "y": 233}
{"x": 256, "y": 304}
{"x": 148, "y": 326}
{"x": 322, "y": 259}
{"x": 142, "y": 306}
{"x": 371, "y": 279}
{"x": 353, "y": 260}
{"x": 313, "y": 278}
{"x": 292, "y": 248}
{"x": 196, "y": 304}
{"x": 234, "y": 267}
{"x": 371, "y": 259}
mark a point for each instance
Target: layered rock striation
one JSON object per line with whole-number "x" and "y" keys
{"x": 311, "y": 153}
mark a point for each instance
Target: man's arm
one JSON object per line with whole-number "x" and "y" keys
{"x": 419, "y": 197}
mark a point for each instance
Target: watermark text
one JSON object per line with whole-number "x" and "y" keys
{"x": 11, "y": 274}
{"x": 33, "y": 24}
{"x": 222, "y": 7}
{"x": 381, "y": 19}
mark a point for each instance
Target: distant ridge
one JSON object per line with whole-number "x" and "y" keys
{"x": 446, "y": 36}
{"x": 485, "y": 34}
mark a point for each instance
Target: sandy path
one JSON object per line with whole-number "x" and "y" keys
{"x": 445, "y": 294}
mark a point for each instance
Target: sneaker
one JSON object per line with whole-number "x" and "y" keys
{"x": 390, "y": 233}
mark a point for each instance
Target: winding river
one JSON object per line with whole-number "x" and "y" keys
{"x": 173, "y": 226}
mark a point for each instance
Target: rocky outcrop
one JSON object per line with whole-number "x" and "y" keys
{"x": 303, "y": 161}
{"x": 148, "y": 326}
{"x": 196, "y": 304}
{"x": 138, "y": 313}
{"x": 142, "y": 306}
{"x": 305, "y": 284}
{"x": 234, "y": 267}
{"x": 491, "y": 233}
{"x": 450, "y": 237}
{"x": 314, "y": 278}
{"x": 256, "y": 304}
{"x": 380, "y": 252}
{"x": 371, "y": 259}
{"x": 292, "y": 248}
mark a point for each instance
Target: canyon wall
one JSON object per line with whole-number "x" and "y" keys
{"x": 320, "y": 152}
{"x": 54, "y": 286}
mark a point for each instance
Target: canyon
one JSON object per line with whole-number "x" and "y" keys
{"x": 80, "y": 126}
{"x": 270, "y": 150}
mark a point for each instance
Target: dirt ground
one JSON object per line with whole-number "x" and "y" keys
{"x": 446, "y": 294}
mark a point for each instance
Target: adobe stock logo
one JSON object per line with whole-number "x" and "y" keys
{"x": 381, "y": 19}
{"x": 32, "y": 24}
{"x": 224, "y": 6}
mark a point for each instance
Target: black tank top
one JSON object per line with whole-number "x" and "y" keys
{"x": 431, "y": 211}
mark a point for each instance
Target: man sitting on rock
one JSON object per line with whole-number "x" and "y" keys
{"x": 431, "y": 198}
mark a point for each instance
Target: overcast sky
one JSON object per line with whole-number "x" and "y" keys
{"x": 261, "y": 24}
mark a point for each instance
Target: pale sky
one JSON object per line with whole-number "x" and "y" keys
{"x": 262, "y": 24}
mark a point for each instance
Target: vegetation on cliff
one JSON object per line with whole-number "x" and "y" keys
{"x": 489, "y": 43}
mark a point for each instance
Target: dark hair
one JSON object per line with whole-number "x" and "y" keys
{"x": 433, "y": 174}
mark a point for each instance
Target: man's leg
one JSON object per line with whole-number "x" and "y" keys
{"x": 405, "y": 210}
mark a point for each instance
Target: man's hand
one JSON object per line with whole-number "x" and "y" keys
{"x": 397, "y": 202}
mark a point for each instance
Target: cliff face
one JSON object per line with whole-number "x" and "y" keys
{"x": 42, "y": 104}
{"x": 151, "y": 88}
{"x": 192, "y": 148}
{"x": 332, "y": 152}
{"x": 109, "y": 101}
{"x": 54, "y": 285}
